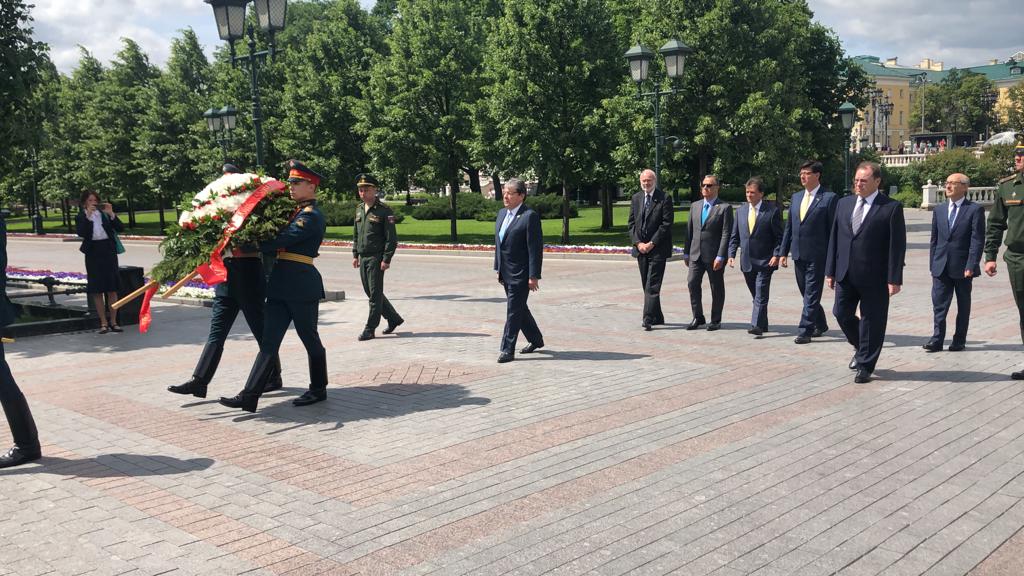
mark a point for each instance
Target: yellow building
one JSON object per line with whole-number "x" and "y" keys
{"x": 900, "y": 86}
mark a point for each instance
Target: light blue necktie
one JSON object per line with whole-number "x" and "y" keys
{"x": 704, "y": 213}
{"x": 504, "y": 226}
{"x": 952, "y": 216}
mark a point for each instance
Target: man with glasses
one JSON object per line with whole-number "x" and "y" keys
{"x": 864, "y": 266}
{"x": 806, "y": 234}
{"x": 706, "y": 249}
{"x": 1008, "y": 216}
{"x": 958, "y": 232}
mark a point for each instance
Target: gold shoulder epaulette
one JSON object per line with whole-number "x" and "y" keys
{"x": 307, "y": 209}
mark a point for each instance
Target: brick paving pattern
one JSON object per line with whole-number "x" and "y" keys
{"x": 611, "y": 451}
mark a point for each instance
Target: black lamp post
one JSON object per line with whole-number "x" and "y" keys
{"x": 848, "y": 114}
{"x": 921, "y": 82}
{"x": 230, "y": 16}
{"x": 639, "y": 58}
{"x": 875, "y": 94}
{"x": 221, "y": 122}
{"x": 885, "y": 109}
{"x": 988, "y": 102}
{"x": 37, "y": 218}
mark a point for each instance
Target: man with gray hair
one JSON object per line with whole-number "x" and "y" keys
{"x": 518, "y": 252}
{"x": 650, "y": 233}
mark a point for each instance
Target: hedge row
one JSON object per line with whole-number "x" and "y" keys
{"x": 479, "y": 208}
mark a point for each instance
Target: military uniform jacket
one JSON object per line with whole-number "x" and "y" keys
{"x": 373, "y": 232}
{"x": 295, "y": 280}
{"x": 1007, "y": 216}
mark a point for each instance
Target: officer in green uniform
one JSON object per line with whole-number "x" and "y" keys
{"x": 1008, "y": 216}
{"x": 373, "y": 245}
{"x": 294, "y": 291}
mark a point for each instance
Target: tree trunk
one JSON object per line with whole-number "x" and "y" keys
{"x": 454, "y": 185}
{"x": 607, "y": 218}
{"x": 131, "y": 212}
{"x": 565, "y": 212}
{"x": 496, "y": 182}
{"x": 160, "y": 206}
{"x": 474, "y": 178}
{"x": 702, "y": 171}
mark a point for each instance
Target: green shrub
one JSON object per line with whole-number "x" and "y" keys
{"x": 909, "y": 197}
{"x": 344, "y": 213}
{"x": 549, "y": 206}
{"x": 467, "y": 205}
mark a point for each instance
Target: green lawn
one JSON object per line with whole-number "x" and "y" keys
{"x": 586, "y": 229}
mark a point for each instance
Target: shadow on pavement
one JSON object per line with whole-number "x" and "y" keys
{"x": 582, "y": 355}
{"x": 440, "y": 334}
{"x": 941, "y": 376}
{"x": 112, "y": 466}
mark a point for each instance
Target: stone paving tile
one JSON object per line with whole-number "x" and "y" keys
{"x": 612, "y": 451}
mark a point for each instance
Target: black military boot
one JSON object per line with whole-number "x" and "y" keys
{"x": 201, "y": 376}
{"x": 317, "y": 382}
{"x": 250, "y": 395}
{"x": 274, "y": 381}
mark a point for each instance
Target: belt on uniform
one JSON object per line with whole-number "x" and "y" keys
{"x": 293, "y": 257}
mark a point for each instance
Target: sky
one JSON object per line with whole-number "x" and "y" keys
{"x": 957, "y": 32}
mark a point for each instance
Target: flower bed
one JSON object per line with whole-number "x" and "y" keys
{"x": 194, "y": 289}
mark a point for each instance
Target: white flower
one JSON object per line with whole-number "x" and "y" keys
{"x": 217, "y": 197}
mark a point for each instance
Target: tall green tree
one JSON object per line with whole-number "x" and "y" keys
{"x": 425, "y": 88}
{"x": 955, "y": 103}
{"x": 21, "y": 61}
{"x": 1015, "y": 108}
{"x": 546, "y": 79}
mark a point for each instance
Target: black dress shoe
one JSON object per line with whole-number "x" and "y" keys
{"x": 802, "y": 339}
{"x": 647, "y": 326}
{"x": 714, "y": 326}
{"x": 391, "y": 327}
{"x": 932, "y": 347}
{"x": 273, "y": 385}
{"x": 506, "y": 357}
{"x": 309, "y": 397}
{"x": 531, "y": 348}
{"x": 17, "y": 455}
{"x": 818, "y": 332}
{"x": 853, "y": 362}
{"x": 191, "y": 387}
{"x": 695, "y": 323}
{"x": 863, "y": 376}
{"x": 1017, "y": 375}
{"x": 956, "y": 347}
{"x": 365, "y": 336}
{"x": 755, "y": 331}
{"x": 247, "y": 403}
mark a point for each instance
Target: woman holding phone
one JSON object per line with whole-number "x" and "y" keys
{"x": 97, "y": 224}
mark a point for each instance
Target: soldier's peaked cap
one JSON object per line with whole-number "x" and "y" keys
{"x": 298, "y": 171}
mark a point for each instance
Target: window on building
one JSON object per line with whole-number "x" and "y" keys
{"x": 901, "y": 117}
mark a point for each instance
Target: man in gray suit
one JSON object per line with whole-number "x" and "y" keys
{"x": 706, "y": 249}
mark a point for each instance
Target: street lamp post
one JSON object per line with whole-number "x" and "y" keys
{"x": 885, "y": 109}
{"x": 220, "y": 123}
{"x": 35, "y": 216}
{"x": 875, "y": 94}
{"x": 230, "y": 16}
{"x": 921, "y": 82}
{"x": 639, "y": 58}
{"x": 848, "y": 114}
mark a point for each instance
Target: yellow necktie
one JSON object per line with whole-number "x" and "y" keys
{"x": 751, "y": 217}
{"x": 804, "y": 205}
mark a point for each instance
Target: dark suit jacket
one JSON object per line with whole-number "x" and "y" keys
{"x": 7, "y": 313}
{"x": 808, "y": 240}
{"x": 659, "y": 223}
{"x": 876, "y": 253}
{"x": 518, "y": 258}
{"x": 756, "y": 248}
{"x": 707, "y": 242}
{"x": 83, "y": 226}
{"x": 959, "y": 249}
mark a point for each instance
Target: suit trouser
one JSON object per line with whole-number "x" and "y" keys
{"x": 518, "y": 318}
{"x": 810, "y": 279}
{"x": 717, "y": 281}
{"x": 19, "y": 417}
{"x": 1015, "y": 270}
{"x": 865, "y": 334}
{"x": 943, "y": 289}
{"x": 279, "y": 314}
{"x": 759, "y": 283}
{"x": 373, "y": 285}
{"x": 652, "y": 272}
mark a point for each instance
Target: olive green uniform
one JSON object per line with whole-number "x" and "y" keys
{"x": 374, "y": 241}
{"x": 1008, "y": 216}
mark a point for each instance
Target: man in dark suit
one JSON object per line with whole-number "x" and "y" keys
{"x": 19, "y": 417}
{"x": 650, "y": 231}
{"x": 707, "y": 245}
{"x": 958, "y": 238}
{"x": 811, "y": 214}
{"x": 518, "y": 252}
{"x": 757, "y": 234}
{"x": 865, "y": 265}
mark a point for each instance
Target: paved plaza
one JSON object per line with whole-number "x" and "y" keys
{"x": 610, "y": 451}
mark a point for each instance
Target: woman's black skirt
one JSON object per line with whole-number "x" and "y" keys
{"x": 101, "y": 267}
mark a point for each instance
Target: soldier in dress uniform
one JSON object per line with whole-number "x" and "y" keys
{"x": 244, "y": 290}
{"x": 1008, "y": 216}
{"x": 373, "y": 245}
{"x": 293, "y": 294}
{"x": 19, "y": 417}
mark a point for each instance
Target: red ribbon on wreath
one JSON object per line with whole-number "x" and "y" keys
{"x": 214, "y": 272}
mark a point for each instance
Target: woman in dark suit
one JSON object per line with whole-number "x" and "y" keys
{"x": 96, "y": 224}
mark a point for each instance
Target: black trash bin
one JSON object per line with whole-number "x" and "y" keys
{"x": 130, "y": 279}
